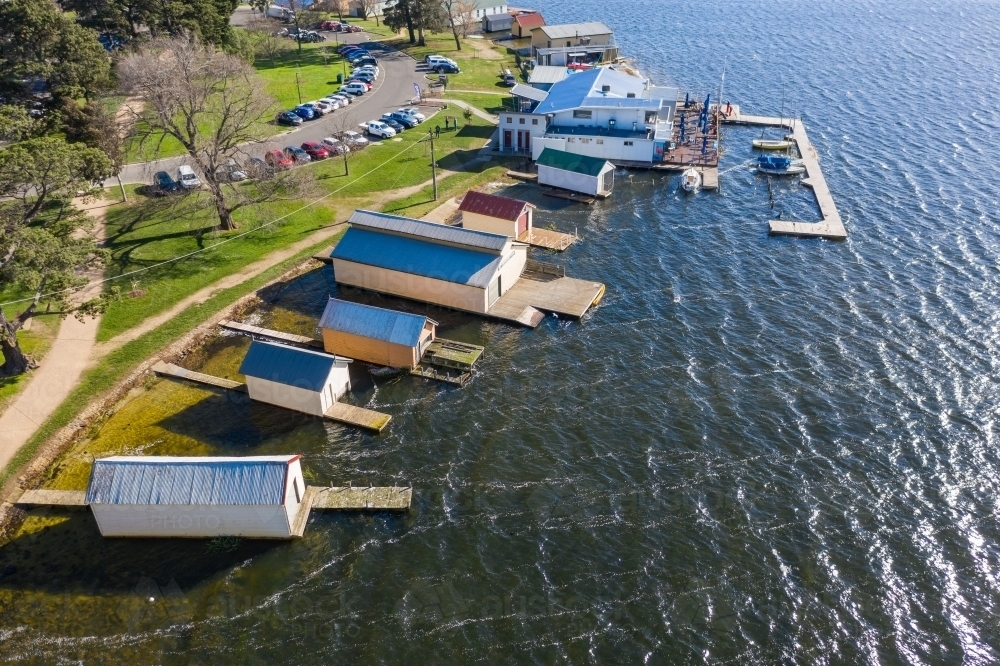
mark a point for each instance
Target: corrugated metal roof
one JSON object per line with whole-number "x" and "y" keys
{"x": 583, "y": 164}
{"x": 584, "y": 89}
{"x": 428, "y": 230}
{"x": 287, "y": 365}
{"x": 521, "y": 90}
{"x": 623, "y": 102}
{"x": 548, "y": 74}
{"x": 400, "y": 328}
{"x": 160, "y": 480}
{"x": 532, "y": 20}
{"x": 497, "y": 22}
{"x": 418, "y": 256}
{"x": 492, "y": 205}
{"x": 569, "y": 30}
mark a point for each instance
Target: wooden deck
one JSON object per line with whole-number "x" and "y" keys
{"x": 569, "y": 196}
{"x": 452, "y": 354}
{"x": 393, "y": 498}
{"x": 302, "y": 517}
{"x": 831, "y": 227}
{"x": 67, "y": 498}
{"x": 258, "y": 333}
{"x": 535, "y": 293}
{"x": 177, "y": 372}
{"x": 520, "y": 175}
{"x": 358, "y": 416}
{"x": 547, "y": 238}
{"x": 456, "y": 377}
{"x": 709, "y": 178}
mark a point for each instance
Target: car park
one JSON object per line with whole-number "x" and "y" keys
{"x": 163, "y": 184}
{"x": 297, "y": 155}
{"x": 187, "y": 178}
{"x": 304, "y": 112}
{"x": 355, "y": 88}
{"x": 276, "y": 160}
{"x": 315, "y": 150}
{"x": 387, "y": 118}
{"x": 353, "y": 139}
{"x": 289, "y": 118}
{"x": 380, "y": 129}
{"x": 404, "y": 119}
{"x": 335, "y": 146}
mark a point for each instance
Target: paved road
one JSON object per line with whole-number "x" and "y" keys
{"x": 393, "y": 89}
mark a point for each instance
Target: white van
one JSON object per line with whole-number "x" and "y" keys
{"x": 187, "y": 178}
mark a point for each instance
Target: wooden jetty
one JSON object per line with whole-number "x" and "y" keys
{"x": 570, "y": 196}
{"x": 353, "y": 498}
{"x": 520, "y": 175}
{"x": 258, "y": 333}
{"x": 831, "y": 227}
{"x": 547, "y": 238}
{"x": 44, "y": 497}
{"x": 709, "y": 178}
{"x": 545, "y": 288}
{"x": 340, "y": 412}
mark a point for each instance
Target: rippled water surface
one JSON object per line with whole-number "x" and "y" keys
{"x": 756, "y": 450}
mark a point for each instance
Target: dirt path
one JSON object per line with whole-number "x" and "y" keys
{"x": 60, "y": 371}
{"x": 484, "y": 49}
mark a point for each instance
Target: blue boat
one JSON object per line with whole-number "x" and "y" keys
{"x": 777, "y": 165}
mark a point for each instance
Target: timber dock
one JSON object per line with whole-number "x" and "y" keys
{"x": 351, "y": 498}
{"x": 546, "y": 238}
{"x": 545, "y": 288}
{"x": 569, "y": 196}
{"x": 520, "y": 175}
{"x": 831, "y": 227}
{"x": 258, "y": 333}
{"x": 44, "y": 497}
{"x": 340, "y": 412}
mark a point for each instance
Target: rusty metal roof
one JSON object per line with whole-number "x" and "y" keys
{"x": 491, "y": 205}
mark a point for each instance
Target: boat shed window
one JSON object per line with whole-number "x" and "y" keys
{"x": 583, "y": 113}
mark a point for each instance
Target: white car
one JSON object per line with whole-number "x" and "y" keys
{"x": 332, "y": 102}
{"x": 379, "y": 128}
{"x": 344, "y": 98}
{"x": 354, "y": 139}
{"x": 367, "y": 69}
{"x": 412, "y": 112}
{"x": 187, "y": 178}
{"x": 355, "y": 89}
{"x": 335, "y": 146}
{"x": 320, "y": 107}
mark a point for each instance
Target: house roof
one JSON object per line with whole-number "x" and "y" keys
{"x": 568, "y": 30}
{"x": 582, "y": 164}
{"x": 368, "y": 321}
{"x": 498, "y": 21}
{"x": 430, "y": 231}
{"x": 418, "y": 256}
{"x": 584, "y": 88}
{"x": 534, "y": 94}
{"x": 530, "y": 20}
{"x": 163, "y": 480}
{"x": 492, "y": 205}
{"x": 292, "y": 366}
{"x": 547, "y": 74}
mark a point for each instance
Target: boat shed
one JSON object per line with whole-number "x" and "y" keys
{"x": 544, "y": 77}
{"x": 294, "y": 378}
{"x": 525, "y": 22}
{"x": 497, "y": 22}
{"x": 376, "y": 335}
{"x": 496, "y": 214}
{"x": 457, "y": 268}
{"x": 203, "y": 497}
{"x": 577, "y": 173}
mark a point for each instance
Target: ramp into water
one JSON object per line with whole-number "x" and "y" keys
{"x": 350, "y": 498}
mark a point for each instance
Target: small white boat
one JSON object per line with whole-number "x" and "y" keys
{"x": 771, "y": 144}
{"x": 779, "y": 166}
{"x": 690, "y": 180}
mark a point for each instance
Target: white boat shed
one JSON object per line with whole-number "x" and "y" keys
{"x": 294, "y": 378}
{"x": 577, "y": 173}
{"x": 164, "y": 496}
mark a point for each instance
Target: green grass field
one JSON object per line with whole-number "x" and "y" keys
{"x": 478, "y": 72}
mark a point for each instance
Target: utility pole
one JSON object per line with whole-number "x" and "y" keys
{"x": 297, "y": 87}
{"x": 434, "y": 175}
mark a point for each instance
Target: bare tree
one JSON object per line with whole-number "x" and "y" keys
{"x": 369, "y": 8}
{"x": 341, "y": 7}
{"x": 267, "y": 43}
{"x": 454, "y": 19}
{"x": 213, "y": 104}
{"x": 466, "y": 10}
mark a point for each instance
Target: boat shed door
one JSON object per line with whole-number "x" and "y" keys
{"x": 494, "y": 291}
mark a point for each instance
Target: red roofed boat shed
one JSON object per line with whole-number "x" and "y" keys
{"x": 495, "y": 214}
{"x": 524, "y": 23}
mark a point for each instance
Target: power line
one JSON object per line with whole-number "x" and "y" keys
{"x": 223, "y": 242}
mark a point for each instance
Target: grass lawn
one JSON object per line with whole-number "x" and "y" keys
{"x": 35, "y": 342}
{"x": 488, "y": 102}
{"x": 478, "y": 71}
{"x": 419, "y": 204}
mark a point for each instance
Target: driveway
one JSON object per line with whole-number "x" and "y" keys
{"x": 393, "y": 89}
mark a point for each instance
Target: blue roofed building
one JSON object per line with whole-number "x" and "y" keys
{"x": 457, "y": 268}
{"x": 602, "y": 112}
{"x": 293, "y": 378}
{"x": 198, "y": 497}
{"x": 375, "y": 335}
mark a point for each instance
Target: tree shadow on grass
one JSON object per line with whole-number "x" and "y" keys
{"x": 476, "y": 132}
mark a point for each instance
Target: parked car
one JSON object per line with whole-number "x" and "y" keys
{"x": 447, "y": 68}
{"x": 380, "y": 129}
{"x": 348, "y": 47}
{"x": 335, "y": 146}
{"x": 344, "y": 98}
{"x": 364, "y": 60}
{"x": 508, "y": 78}
{"x": 397, "y": 127}
{"x": 289, "y": 118}
{"x": 356, "y": 88}
{"x": 297, "y": 155}
{"x": 163, "y": 184}
{"x": 258, "y": 168}
{"x": 232, "y": 171}
{"x": 310, "y": 37}
{"x": 276, "y": 160}
{"x": 415, "y": 112}
{"x": 329, "y": 25}
{"x": 187, "y": 178}
{"x": 404, "y": 119}
{"x": 318, "y": 109}
{"x": 304, "y": 112}
{"x": 367, "y": 84}
{"x": 315, "y": 150}
{"x": 353, "y": 139}
{"x": 367, "y": 77}
{"x": 367, "y": 70}
{"x": 332, "y": 102}
{"x": 354, "y": 52}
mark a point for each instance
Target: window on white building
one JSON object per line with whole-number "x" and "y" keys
{"x": 510, "y": 121}
{"x": 534, "y": 121}
{"x": 600, "y": 142}
{"x": 628, "y": 143}
{"x": 583, "y": 113}
{"x": 520, "y": 120}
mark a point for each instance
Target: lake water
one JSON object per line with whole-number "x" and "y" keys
{"x": 756, "y": 450}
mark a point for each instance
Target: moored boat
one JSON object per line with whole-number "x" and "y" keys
{"x": 690, "y": 180}
{"x": 778, "y": 166}
{"x": 772, "y": 144}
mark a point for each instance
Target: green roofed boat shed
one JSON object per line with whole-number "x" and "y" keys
{"x": 577, "y": 173}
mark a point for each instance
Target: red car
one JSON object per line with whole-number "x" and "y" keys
{"x": 274, "y": 159}
{"x": 315, "y": 150}
{"x": 353, "y": 28}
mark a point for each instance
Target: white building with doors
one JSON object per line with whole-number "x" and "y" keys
{"x": 589, "y": 43}
{"x": 294, "y": 378}
{"x": 424, "y": 261}
{"x": 198, "y": 497}
{"x": 577, "y": 173}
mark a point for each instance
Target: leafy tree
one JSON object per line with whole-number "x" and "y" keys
{"x": 401, "y": 15}
{"x": 43, "y": 239}
{"x": 266, "y": 43}
{"x": 125, "y": 19}
{"x": 16, "y": 124}
{"x": 96, "y": 126}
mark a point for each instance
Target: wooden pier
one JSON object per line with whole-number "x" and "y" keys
{"x": 520, "y": 175}
{"x": 547, "y": 238}
{"x": 353, "y": 498}
{"x": 258, "y": 333}
{"x": 358, "y": 416}
{"x": 831, "y": 227}
{"x": 569, "y": 196}
{"x": 62, "y": 498}
{"x": 536, "y": 293}
{"x": 171, "y": 370}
